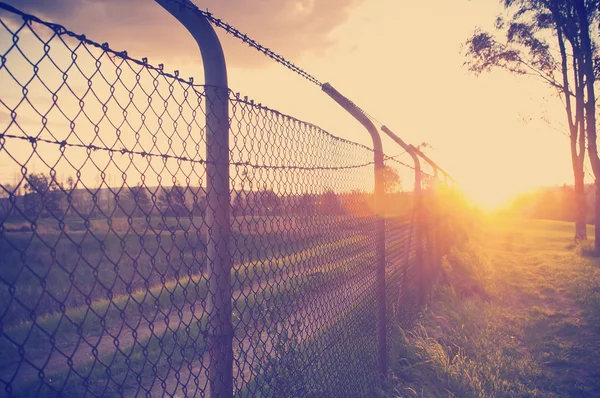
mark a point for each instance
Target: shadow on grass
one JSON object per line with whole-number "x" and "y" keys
{"x": 586, "y": 248}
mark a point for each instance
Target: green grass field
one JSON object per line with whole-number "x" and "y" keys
{"x": 520, "y": 318}
{"x": 154, "y": 320}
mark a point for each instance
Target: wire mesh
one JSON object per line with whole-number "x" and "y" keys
{"x": 105, "y": 286}
{"x": 103, "y": 234}
{"x": 303, "y": 230}
{"x": 233, "y": 31}
{"x": 402, "y": 238}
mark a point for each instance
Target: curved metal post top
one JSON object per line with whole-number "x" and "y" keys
{"x": 359, "y": 115}
{"x": 219, "y": 260}
{"x": 412, "y": 151}
{"x": 215, "y": 71}
{"x": 433, "y": 165}
{"x": 437, "y": 169}
{"x": 379, "y": 192}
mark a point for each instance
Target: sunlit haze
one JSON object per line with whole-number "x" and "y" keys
{"x": 165, "y": 231}
{"x": 497, "y": 134}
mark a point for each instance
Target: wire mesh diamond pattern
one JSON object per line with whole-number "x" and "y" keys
{"x": 105, "y": 227}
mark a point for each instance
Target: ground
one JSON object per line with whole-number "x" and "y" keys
{"x": 520, "y": 317}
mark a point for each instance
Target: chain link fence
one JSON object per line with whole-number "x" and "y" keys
{"x": 109, "y": 284}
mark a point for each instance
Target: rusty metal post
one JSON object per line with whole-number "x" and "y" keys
{"x": 220, "y": 330}
{"x": 412, "y": 151}
{"x": 359, "y": 115}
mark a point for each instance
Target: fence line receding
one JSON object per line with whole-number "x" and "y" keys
{"x": 105, "y": 224}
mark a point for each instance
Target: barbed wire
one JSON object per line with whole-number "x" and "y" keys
{"x": 393, "y": 159}
{"x": 60, "y": 30}
{"x": 263, "y": 49}
{"x": 270, "y": 53}
{"x": 248, "y": 40}
{"x": 245, "y": 101}
{"x": 123, "y": 151}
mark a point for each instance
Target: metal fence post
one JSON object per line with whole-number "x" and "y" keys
{"x": 220, "y": 330}
{"x": 440, "y": 218}
{"x": 430, "y": 216}
{"x": 359, "y": 115}
{"x": 412, "y": 151}
{"x": 437, "y": 218}
{"x": 419, "y": 203}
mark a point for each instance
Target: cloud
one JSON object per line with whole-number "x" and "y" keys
{"x": 290, "y": 27}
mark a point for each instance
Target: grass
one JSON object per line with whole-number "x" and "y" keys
{"x": 135, "y": 369}
{"x": 520, "y": 317}
{"x": 310, "y": 367}
{"x": 292, "y": 267}
{"x": 178, "y": 293}
{"x": 49, "y": 270}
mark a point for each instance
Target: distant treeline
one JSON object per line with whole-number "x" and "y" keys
{"x": 43, "y": 196}
{"x": 552, "y": 203}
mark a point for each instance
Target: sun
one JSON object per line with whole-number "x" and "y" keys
{"x": 493, "y": 195}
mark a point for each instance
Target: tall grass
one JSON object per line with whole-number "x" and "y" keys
{"x": 518, "y": 316}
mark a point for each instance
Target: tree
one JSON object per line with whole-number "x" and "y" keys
{"x": 330, "y": 203}
{"x": 172, "y": 201}
{"x": 586, "y": 13}
{"x": 238, "y": 205}
{"x": 525, "y": 44}
{"x": 71, "y": 184}
{"x": 268, "y": 201}
{"x": 34, "y": 187}
{"x": 200, "y": 204}
{"x": 305, "y": 204}
{"x": 43, "y": 195}
{"x": 240, "y": 196}
{"x": 141, "y": 201}
{"x": 391, "y": 180}
{"x": 547, "y": 206}
{"x": 359, "y": 203}
{"x": 83, "y": 202}
{"x": 6, "y": 206}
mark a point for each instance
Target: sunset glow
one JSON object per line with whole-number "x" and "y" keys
{"x": 289, "y": 198}
{"x": 490, "y": 132}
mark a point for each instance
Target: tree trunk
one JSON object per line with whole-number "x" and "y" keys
{"x": 590, "y": 107}
{"x": 576, "y": 132}
{"x": 597, "y": 215}
{"x": 580, "y": 206}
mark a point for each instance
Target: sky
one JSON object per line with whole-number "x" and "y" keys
{"x": 402, "y": 62}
